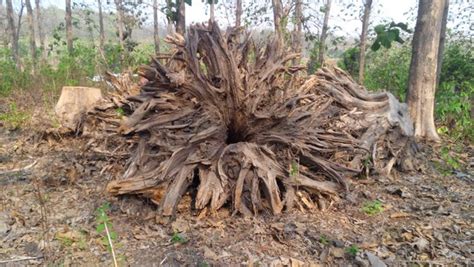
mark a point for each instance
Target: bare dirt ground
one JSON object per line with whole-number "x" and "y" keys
{"x": 51, "y": 188}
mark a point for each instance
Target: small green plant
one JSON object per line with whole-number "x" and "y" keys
{"x": 178, "y": 238}
{"x": 372, "y": 207}
{"x": 294, "y": 168}
{"x": 323, "y": 240}
{"x": 452, "y": 161}
{"x": 65, "y": 241}
{"x": 72, "y": 238}
{"x": 120, "y": 112}
{"x": 104, "y": 225}
{"x": 353, "y": 250}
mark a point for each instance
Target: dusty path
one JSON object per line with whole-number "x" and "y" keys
{"x": 48, "y": 213}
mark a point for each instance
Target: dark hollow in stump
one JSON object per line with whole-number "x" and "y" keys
{"x": 239, "y": 124}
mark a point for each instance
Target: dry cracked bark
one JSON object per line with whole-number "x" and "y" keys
{"x": 232, "y": 123}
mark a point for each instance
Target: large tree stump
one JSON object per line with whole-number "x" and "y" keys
{"x": 74, "y": 102}
{"x": 233, "y": 123}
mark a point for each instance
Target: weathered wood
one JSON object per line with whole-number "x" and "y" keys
{"x": 247, "y": 130}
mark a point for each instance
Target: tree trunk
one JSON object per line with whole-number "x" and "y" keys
{"x": 238, "y": 13}
{"x": 13, "y": 33}
{"x": 101, "y": 27}
{"x": 168, "y": 18}
{"x": 120, "y": 26}
{"x": 181, "y": 18}
{"x": 40, "y": 30}
{"x": 3, "y": 29}
{"x": 324, "y": 32}
{"x": 298, "y": 33}
{"x": 211, "y": 12}
{"x": 423, "y": 67}
{"x": 442, "y": 41}
{"x": 70, "y": 47}
{"x": 363, "y": 39}
{"x": 156, "y": 36}
{"x": 277, "y": 16}
{"x": 31, "y": 25}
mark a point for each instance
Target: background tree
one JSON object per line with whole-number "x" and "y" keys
{"x": 324, "y": 32}
{"x": 238, "y": 13}
{"x": 423, "y": 68}
{"x": 180, "y": 17}
{"x": 298, "y": 32}
{"x": 277, "y": 17}
{"x": 120, "y": 23}
{"x": 363, "y": 38}
{"x": 169, "y": 16}
{"x": 13, "y": 33}
{"x": 3, "y": 29}
{"x": 101, "y": 27}
{"x": 442, "y": 41}
{"x": 156, "y": 37}
{"x": 69, "y": 37}
{"x": 40, "y": 30}
{"x": 212, "y": 9}
{"x": 31, "y": 25}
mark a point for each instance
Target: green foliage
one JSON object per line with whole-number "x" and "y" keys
{"x": 14, "y": 118}
{"x": 452, "y": 161}
{"x": 323, "y": 240}
{"x": 294, "y": 168}
{"x": 178, "y": 238}
{"x": 453, "y": 109}
{"x": 352, "y": 250}
{"x": 458, "y": 63}
{"x": 387, "y": 34}
{"x": 456, "y": 90}
{"x": 313, "y": 64}
{"x": 372, "y": 207}
{"x": 350, "y": 61}
{"x": 120, "y": 112}
{"x": 103, "y": 222}
{"x": 10, "y": 77}
{"x": 389, "y": 69}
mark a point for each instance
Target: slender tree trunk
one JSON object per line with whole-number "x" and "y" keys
{"x": 18, "y": 27}
{"x": 13, "y": 33}
{"x": 363, "y": 39}
{"x": 31, "y": 24}
{"x": 181, "y": 20}
{"x": 277, "y": 16}
{"x": 120, "y": 26}
{"x": 156, "y": 34}
{"x": 169, "y": 28}
{"x": 442, "y": 41}
{"x": 238, "y": 13}
{"x": 40, "y": 30}
{"x": 70, "y": 47}
{"x": 211, "y": 12}
{"x": 324, "y": 32}
{"x": 423, "y": 67}
{"x": 3, "y": 30}
{"x": 298, "y": 32}
{"x": 101, "y": 27}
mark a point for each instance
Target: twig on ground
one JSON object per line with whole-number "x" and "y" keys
{"x": 19, "y": 169}
{"x": 20, "y": 259}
